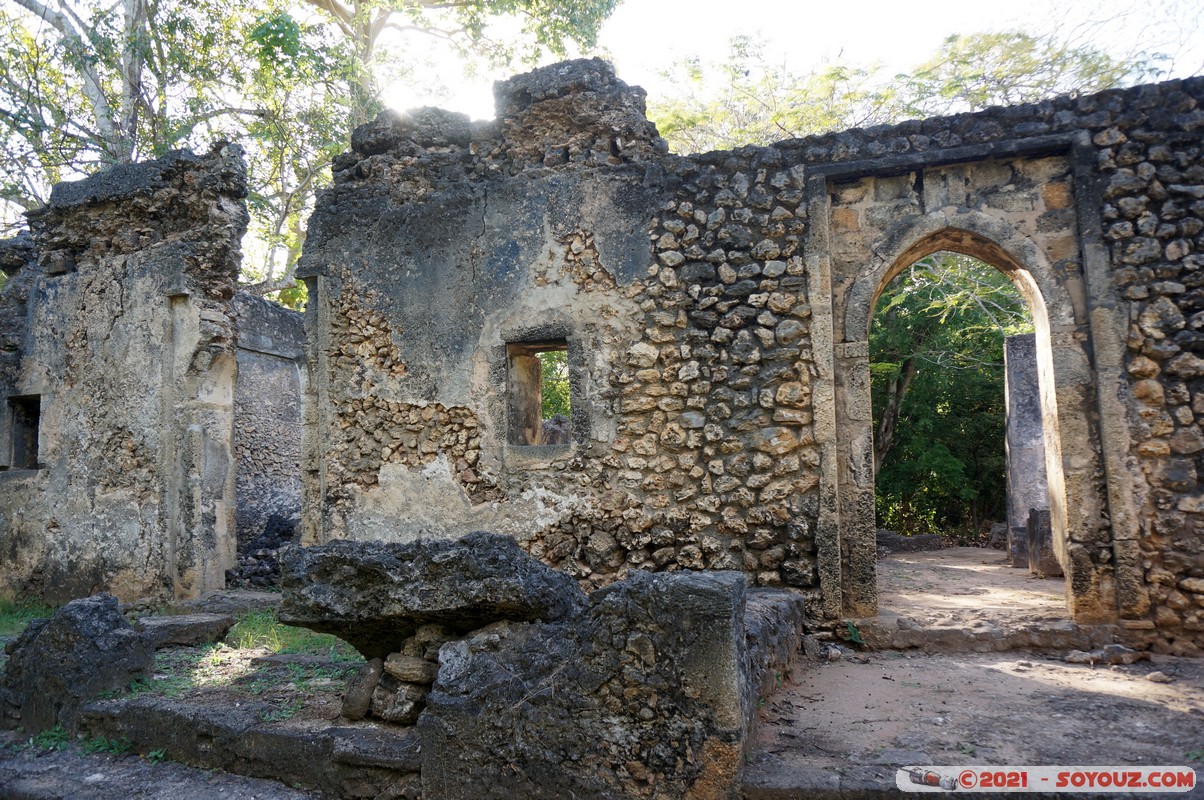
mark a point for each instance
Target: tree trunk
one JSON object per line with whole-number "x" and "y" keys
{"x": 897, "y": 391}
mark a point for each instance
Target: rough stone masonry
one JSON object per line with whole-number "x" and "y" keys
{"x": 714, "y": 310}
{"x": 715, "y": 313}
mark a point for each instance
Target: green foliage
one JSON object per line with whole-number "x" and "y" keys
{"x": 16, "y": 614}
{"x": 853, "y": 633}
{"x": 262, "y": 629}
{"x": 282, "y": 712}
{"x": 55, "y": 738}
{"x": 102, "y": 744}
{"x": 748, "y": 100}
{"x": 554, "y": 383}
{"x": 970, "y": 73}
{"x": 943, "y": 469}
{"x": 278, "y": 38}
{"x": 156, "y": 756}
{"x": 759, "y": 103}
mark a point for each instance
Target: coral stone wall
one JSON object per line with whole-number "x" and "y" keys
{"x": 715, "y": 310}
{"x": 121, "y": 331}
{"x": 267, "y": 418}
{"x": 677, "y": 286}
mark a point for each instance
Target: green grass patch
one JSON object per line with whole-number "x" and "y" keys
{"x": 282, "y": 712}
{"x": 55, "y": 738}
{"x": 16, "y": 614}
{"x": 262, "y": 629}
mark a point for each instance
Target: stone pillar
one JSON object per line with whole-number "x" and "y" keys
{"x": 1041, "y": 559}
{"x": 1027, "y": 487}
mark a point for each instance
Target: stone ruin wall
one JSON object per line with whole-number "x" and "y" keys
{"x": 121, "y": 327}
{"x": 695, "y": 295}
{"x": 704, "y": 300}
{"x": 441, "y": 241}
{"x": 1138, "y": 187}
{"x": 267, "y": 421}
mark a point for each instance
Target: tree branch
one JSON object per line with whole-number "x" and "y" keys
{"x": 93, "y": 90}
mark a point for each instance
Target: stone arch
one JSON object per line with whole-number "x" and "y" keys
{"x": 1064, "y": 365}
{"x": 970, "y": 233}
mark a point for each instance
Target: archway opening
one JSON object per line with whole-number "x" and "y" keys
{"x": 941, "y": 326}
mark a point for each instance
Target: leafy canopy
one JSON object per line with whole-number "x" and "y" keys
{"x": 85, "y": 84}
{"x": 748, "y": 100}
{"x": 940, "y": 458}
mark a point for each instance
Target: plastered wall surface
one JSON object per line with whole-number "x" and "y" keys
{"x": 120, "y": 327}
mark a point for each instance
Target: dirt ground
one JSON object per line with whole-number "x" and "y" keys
{"x": 999, "y": 708}
{"x": 966, "y": 586}
{"x": 28, "y": 773}
{"x": 896, "y": 708}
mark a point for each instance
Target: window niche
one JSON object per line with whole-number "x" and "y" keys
{"x": 538, "y": 394}
{"x": 25, "y": 417}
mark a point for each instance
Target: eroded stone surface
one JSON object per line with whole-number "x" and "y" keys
{"x": 184, "y": 629}
{"x": 641, "y": 695}
{"x": 375, "y": 595}
{"x": 59, "y": 664}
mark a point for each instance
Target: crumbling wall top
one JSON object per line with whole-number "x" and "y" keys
{"x": 1168, "y": 106}
{"x": 575, "y": 112}
{"x": 186, "y": 209}
{"x": 16, "y": 253}
{"x": 221, "y": 170}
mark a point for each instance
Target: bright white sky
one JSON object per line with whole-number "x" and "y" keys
{"x": 644, "y": 37}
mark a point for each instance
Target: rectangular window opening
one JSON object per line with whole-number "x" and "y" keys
{"x": 539, "y": 396}
{"x": 26, "y": 416}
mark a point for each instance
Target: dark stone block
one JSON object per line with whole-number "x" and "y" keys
{"x": 57, "y": 665}
{"x": 184, "y": 629}
{"x": 1041, "y": 559}
{"x": 375, "y": 594}
{"x": 651, "y": 676}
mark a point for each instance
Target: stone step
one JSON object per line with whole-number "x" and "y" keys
{"x": 183, "y": 629}
{"x": 768, "y": 778}
{"x": 889, "y": 631}
{"x": 349, "y": 760}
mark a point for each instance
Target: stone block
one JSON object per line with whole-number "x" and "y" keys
{"x": 57, "y": 665}
{"x": 375, "y": 595}
{"x": 650, "y": 677}
{"x": 1042, "y": 561}
{"x": 184, "y": 629}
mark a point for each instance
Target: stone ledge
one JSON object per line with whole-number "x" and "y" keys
{"x": 888, "y": 631}
{"x": 346, "y": 760}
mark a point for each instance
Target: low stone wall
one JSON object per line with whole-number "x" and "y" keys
{"x": 520, "y": 685}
